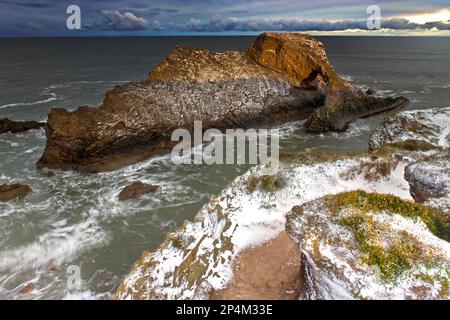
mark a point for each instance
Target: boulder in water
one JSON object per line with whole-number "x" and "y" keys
{"x": 135, "y": 190}
{"x": 12, "y": 191}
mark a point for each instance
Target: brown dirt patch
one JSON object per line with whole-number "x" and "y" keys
{"x": 268, "y": 272}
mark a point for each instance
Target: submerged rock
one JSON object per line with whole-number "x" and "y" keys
{"x": 282, "y": 77}
{"x": 135, "y": 190}
{"x": 368, "y": 246}
{"x": 7, "y": 125}
{"x": 12, "y": 191}
{"x": 429, "y": 179}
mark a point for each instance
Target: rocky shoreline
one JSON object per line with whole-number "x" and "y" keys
{"x": 282, "y": 77}
{"x": 359, "y": 233}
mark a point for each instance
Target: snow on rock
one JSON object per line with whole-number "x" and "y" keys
{"x": 429, "y": 179}
{"x": 430, "y": 126}
{"x": 199, "y": 257}
{"x": 353, "y": 250}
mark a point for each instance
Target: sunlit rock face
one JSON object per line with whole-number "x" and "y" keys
{"x": 282, "y": 77}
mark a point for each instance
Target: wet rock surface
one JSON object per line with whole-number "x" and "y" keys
{"x": 7, "y": 125}
{"x": 282, "y": 77}
{"x": 135, "y": 190}
{"x": 9, "y": 192}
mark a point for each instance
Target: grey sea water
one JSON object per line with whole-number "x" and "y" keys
{"x": 74, "y": 219}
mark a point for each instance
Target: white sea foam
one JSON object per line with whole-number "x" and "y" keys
{"x": 59, "y": 244}
{"x": 50, "y": 99}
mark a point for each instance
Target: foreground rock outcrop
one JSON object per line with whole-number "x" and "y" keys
{"x": 9, "y": 192}
{"x": 418, "y": 130}
{"x": 281, "y": 77}
{"x": 357, "y": 245}
{"x": 7, "y": 125}
{"x": 358, "y": 231}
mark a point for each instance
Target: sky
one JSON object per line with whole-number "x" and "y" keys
{"x": 40, "y": 18}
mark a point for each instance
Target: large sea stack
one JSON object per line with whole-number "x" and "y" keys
{"x": 281, "y": 77}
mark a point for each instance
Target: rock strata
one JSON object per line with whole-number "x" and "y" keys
{"x": 282, "y": 77}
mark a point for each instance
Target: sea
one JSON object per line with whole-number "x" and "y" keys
{"x": 71, "y": 237}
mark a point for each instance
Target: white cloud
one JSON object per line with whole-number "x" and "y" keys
{"x": 117, "y": 21}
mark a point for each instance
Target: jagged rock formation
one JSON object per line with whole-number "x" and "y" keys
{"x": 281, "y": 77}
{"x": 357, "y": 245}
{"x": 9, "y": 192}
{"x": 344, "y": 106}
{"x": 7, "y": 125}
{"x": 426, "y": 133}
{"x": 136, "y": 189}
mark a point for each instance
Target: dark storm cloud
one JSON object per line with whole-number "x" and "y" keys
{"x": 233, "y": 24}
{"x": 180, "y": 16}
{"x": 440, "y": 25}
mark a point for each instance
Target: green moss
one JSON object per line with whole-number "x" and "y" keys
{"x": 391, "y": 261}
{"x": 445, "y": 290}
{"x": 271, "y": 183}
{"x": 265, "y": 183}
{"x": 178, "y": 242}
{"x": 437, "y": 221}
{"x": 407, "y": 145}
{"x": 403, "y": 251}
